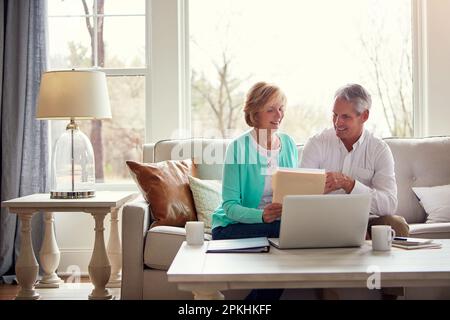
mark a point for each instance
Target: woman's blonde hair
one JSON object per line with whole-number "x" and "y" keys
{"x": 258, "y": 97}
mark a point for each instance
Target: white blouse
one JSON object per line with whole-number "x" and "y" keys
{"x": 272, "y": 164}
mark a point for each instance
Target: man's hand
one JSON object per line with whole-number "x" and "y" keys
{"x": 272, "y": 212}
{"x": 336, "y": 181}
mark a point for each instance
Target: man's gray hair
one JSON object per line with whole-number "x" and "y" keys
{"x": 355, "y": 94}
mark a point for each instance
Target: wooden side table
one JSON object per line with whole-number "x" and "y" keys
{"x": 100, "y": 273}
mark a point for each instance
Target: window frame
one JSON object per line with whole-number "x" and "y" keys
{"x": 116, "y": 72}
{"x": 420, "y": 66}
{"x": 169, "y": 82}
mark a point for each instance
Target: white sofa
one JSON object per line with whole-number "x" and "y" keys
{"x": 147, "y": 254}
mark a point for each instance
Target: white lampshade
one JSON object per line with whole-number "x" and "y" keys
{"x": 73, "y": 94}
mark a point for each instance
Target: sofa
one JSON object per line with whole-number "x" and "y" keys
{"x": 148, "y": 254}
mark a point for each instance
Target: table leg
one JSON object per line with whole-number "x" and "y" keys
{"x": 49, "y": 255}
{"x": 114, "y": 250}
{"x": 99, "y": 267}
{"x": 208, "y": 295}
{"x": 27, "y": 267}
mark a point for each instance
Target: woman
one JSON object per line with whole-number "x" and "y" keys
{"x": 247, "y": 209}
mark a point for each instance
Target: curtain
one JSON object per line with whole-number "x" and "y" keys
{"x": 24, "y": 140}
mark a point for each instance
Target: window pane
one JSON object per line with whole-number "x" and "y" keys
{"x": 69, "y": 43}
{"x": 124, "y": 7}
{"x": 122, "y": 136}
{"x": 120, "y": 49}
{"x": 306, "y": 50}
{"x": 68, "y": 7}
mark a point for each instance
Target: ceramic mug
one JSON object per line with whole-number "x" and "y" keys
{"x": 382, "y": 238}
{"x": 195, "y": 231}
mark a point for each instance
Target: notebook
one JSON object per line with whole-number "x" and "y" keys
{"x": 433, "y": 245}
{"x": 259, "y": 244}
{"x": 415, "y": 243}
{"x": 297, "y": 181}
{"x": 407, "y": 241}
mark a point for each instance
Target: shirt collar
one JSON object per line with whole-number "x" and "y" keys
{"x": 358, "y": 142}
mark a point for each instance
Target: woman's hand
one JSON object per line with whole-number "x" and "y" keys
{"x": 272, "y": 212}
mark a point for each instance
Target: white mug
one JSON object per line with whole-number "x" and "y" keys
{"x": 194, "y": 232}
{"x": 382, "y": 237}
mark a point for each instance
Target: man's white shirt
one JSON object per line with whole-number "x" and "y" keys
{"x": 370, "y": 164}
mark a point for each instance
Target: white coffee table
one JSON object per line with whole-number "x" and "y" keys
{"x": 100, "y": 269}
{"x": 208, "y": 274}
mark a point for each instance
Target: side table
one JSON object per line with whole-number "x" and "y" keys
{"x": 99, "y": 206}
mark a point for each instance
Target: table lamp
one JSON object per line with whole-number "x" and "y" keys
{"x": 73, "y": 95}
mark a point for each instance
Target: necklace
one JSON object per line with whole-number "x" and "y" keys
{"x": 272, "y": 159}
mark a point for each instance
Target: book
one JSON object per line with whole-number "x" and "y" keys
{"x": 433, "y": 245}
{"x": 297, "y": 181}
{"x": 407, "y": 241}
{"x": 259, "y": 244}
{"x": 415, "y": 243}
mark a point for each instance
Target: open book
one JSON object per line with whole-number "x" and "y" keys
{"x": 297, "y": 181}
{"x": 260, "y": 244}
{"x": 414, "y": 243}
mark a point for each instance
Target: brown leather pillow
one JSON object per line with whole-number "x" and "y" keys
{"x": 165, "y": 186}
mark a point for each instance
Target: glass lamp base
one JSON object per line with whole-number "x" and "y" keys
{"x": 72, "y": 194}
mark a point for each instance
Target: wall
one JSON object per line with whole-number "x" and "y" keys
{"x": 438, "y": 66}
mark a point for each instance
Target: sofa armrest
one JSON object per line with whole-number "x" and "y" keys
{"x": 135, "y": 223}
{"x": 162, "y": 245}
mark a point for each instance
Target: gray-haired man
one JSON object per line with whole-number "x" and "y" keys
{"x": 354, "y": 159}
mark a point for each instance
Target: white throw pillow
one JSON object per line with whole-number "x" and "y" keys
{"x": 207, "y": 196}
{"x": 435, "y": 201}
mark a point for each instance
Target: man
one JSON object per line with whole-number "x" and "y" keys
{"x": 355, "y": 160}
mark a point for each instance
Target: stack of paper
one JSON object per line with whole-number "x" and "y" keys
{"x": 415, "y": 243}
{"x": 297, "y": 181}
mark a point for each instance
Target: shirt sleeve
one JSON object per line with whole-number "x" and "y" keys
{"x": 384, "y": 187}
{"x": 232, "y": 192}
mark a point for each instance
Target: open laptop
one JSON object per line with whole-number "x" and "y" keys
{"x": 323, "y": 221}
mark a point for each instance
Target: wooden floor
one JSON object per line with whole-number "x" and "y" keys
{"x": 66, "y": 291}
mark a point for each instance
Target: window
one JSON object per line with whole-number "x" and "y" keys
{"x": 308, "y": 48}
{"x": 107, "y": 35}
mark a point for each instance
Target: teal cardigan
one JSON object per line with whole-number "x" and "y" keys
{"x": 243, "y": 181}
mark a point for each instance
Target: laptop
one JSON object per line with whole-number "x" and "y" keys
{"x": 323, "y": 221}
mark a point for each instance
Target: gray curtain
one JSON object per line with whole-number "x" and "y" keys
{"x": 24, "y": 140}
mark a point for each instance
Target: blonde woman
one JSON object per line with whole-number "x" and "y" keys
{"x": 247, "y": 209}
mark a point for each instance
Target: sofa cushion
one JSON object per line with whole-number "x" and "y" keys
{"x": 207, "y": 151}
{"x": 430, "y": 230}
{"x": 165, "y": 186}
{"x": 206, "y": 171}
{"x": 435, "y": 201}
{"x": 418, "y": 163}
{"x": 162, "y": 244}
{"x": 207, "y": 197}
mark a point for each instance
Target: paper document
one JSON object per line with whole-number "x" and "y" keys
{"x": 432, "y": 245}
{"x": 260, "y": 244}
{"x": 297, "y": 181}
{"x": 415, "y": 243}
